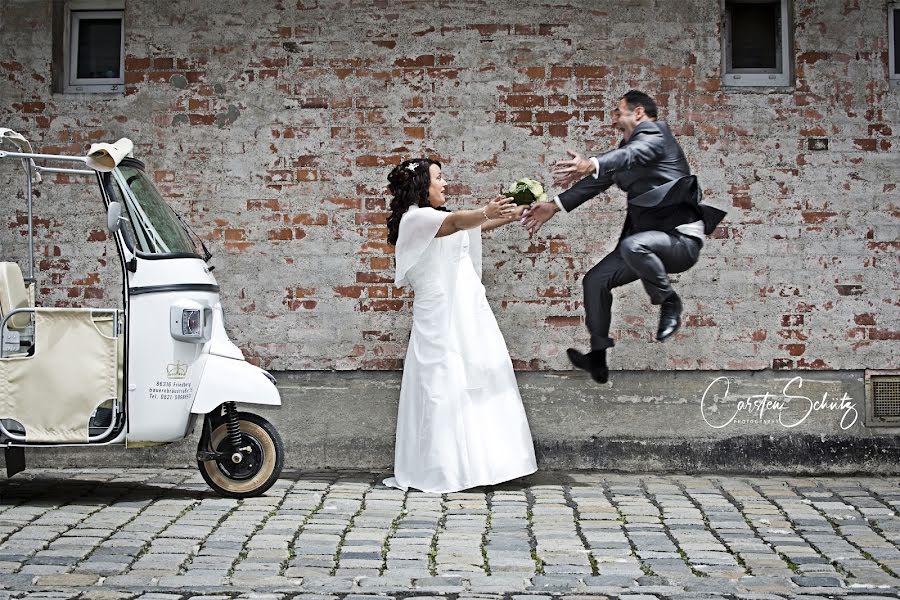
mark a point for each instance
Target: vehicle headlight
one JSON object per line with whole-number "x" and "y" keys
{"x": 190, "y": 322}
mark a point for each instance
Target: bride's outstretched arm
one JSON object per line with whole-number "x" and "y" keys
{"x": 495, "y": 223}
{"x": 498, "y": 208}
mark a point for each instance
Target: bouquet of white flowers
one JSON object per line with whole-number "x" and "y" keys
{"x": 526, "y": 191}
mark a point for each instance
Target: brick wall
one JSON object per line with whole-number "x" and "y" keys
{"x": 272, "y": 127}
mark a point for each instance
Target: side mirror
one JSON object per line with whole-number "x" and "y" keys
{"x": 113, "y": 214}
{"x": 114, "y": 221}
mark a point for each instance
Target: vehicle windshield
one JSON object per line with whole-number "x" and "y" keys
{"x": 156, "y": 228}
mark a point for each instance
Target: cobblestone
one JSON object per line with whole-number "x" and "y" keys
{"x": 162, "y": 535}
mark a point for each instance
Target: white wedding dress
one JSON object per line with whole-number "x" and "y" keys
{"x": 461, "y": 422}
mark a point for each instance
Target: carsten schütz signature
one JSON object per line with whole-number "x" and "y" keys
{"x": 715, "y": 402}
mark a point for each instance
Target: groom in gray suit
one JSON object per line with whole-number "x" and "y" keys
{"x": 664, "y": 225}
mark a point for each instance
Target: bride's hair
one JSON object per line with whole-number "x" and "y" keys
{"x": 408, "y": 183}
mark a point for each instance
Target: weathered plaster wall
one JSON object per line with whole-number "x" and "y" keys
{"x": 272, "y": 127}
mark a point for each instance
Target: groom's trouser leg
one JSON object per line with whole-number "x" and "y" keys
{"x": 609, "y": 273}
{"x": 654, "y": 254}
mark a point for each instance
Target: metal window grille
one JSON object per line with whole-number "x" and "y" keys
{"x": 883, "y": 398}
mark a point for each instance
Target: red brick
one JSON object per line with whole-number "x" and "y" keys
{"x": 30, "y": 107}
{"x": 202, "y": 119}
{"x": 884, "y": 334}
{"x": 562, "y": 321}
{"x": 382, "y": 305}
{"x": 349, "y": 291}
{"x": 792, "y": 320}
{"x": 133, "y": 63}
{"x": 377, "y": 161}
{"x": 310, "y": 219}
{"x": 294, "y": 305}
{"x": 793, "y": 349}
{"x": 864, "y": 319}
{"x": 416, "y": 133}
{"x": 379, "y": 218}
{"x": 524, "y": 101}
{"x": 700, "y": 321}
{"x": 591, "y": 72}
{"x": 425, "y": 60}
{"x": 270, "y": 204}
{"x": 378, "y": 263}
{"x": 553, "y": 117}
{"x": 373, "y": 278}
{"x": 353, "y": 203}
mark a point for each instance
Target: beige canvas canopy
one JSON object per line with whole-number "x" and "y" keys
{"x": 73, "y": 370}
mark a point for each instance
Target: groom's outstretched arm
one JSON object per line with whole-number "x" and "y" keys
{"x": 584, "y": 190}
{"x": 578, "y": 194}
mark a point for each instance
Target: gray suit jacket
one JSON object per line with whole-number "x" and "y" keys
{"x": 651, "y": 158}
{"x": 652, "y": 169}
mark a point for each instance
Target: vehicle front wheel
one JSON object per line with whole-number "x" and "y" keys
{"x": 261, "y": 458}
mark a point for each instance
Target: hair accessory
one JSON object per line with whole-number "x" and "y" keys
{"x": 412, "y": 166}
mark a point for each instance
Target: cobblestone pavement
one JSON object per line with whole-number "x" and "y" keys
{"x": 161, "y": 534}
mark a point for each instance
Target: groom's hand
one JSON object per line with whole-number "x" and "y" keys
{"x": 537, "y": 215}
{"x": 567, "y": 172}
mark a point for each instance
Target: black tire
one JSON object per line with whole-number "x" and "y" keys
{"x": 259, "y": 470}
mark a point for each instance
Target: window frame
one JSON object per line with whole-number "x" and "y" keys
{"x": 893, "y": 76}
{"x": 782, "y": 75}
{"x": 86, "y": 9}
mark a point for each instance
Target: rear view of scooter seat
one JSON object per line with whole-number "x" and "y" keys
{"x": 13, "y": 296}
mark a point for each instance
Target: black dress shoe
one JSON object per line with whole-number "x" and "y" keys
{"x": 593, "y": 362}
{"x": 669, "y": 317}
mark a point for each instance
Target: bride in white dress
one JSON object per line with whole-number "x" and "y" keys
{"x": 461, "y": 422}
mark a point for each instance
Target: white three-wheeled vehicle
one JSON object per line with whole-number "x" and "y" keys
{"x": 140, "y": 375}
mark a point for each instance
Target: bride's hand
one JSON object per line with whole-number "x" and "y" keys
{"x": 500, "y": 208}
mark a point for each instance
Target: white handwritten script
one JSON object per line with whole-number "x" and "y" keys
{"x": 768, "y": 407}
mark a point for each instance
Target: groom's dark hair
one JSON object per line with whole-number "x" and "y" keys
{"x": 634, "y": 98}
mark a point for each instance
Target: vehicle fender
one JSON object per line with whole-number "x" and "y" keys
{"x": 232, "y": 380}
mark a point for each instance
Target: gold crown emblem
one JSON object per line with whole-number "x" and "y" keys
{"x": 176, "y": 370}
